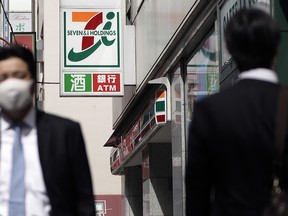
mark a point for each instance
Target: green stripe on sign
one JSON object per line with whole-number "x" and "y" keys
{"x": 160, "y": 106}
{"x": 77, "y": 83}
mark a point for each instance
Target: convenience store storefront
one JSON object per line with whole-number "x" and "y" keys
{"x": 151, "y": 154}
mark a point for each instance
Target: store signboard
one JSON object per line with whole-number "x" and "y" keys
{"x": 160, "y": 107}
{"x": 20, "y": 22}
{"x": 91, "y": 38}
{"x": 91, "y": 52}
{"x": 90, "y": 83}
{"x": 227, "y": 10}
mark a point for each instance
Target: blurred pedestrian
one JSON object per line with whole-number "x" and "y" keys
{"x": 43, "y": 164}
{"x": 231, "y": 137}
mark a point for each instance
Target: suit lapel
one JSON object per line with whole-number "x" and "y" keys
{"x": 44, "y": 136}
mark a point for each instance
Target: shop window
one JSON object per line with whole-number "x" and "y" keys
{"x": 202, "y": 74}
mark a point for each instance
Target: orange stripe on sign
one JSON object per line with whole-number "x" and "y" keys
{"x": 82, "y": 16}
{"x": 160, "y": 94}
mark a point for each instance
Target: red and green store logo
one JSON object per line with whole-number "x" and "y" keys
{"x": 91, "y": 38}
{"x": 160, "y": 107}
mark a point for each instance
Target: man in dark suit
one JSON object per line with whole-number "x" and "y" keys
{"x": 48, "y": 173}
{"x": 231, "y": 137}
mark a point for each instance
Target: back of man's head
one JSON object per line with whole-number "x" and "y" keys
{"x": 252, "y": 38}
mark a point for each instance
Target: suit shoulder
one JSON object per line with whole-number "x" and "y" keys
{"x": 59, "y": 120}
{"x": 244, "y": 94}
{"x": 211, "y": 98}
{"x": 241, "y": 92}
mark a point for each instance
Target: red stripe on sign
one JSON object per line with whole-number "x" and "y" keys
{"x": 178, "y": 118}
{"x": 161, "y": 118}
{"x": 94, "y": 22}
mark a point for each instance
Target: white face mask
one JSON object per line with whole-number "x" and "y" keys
{"x": 15, "y": 94}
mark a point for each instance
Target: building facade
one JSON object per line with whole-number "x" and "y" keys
{"x": 41, "y": 19}
{"x": 180, "y": 57}
{"x": 173, "y": 55}
{"x": 93, "y": 113}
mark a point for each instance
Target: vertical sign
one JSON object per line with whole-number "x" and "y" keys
{"x": 160, "y": 107}
{"x": 91, "y": 53}
{"x": 5, "y": 23}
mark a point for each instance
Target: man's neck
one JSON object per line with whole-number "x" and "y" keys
{"x": 16, "y": 116}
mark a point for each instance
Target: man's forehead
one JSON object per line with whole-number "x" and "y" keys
{"x": 13, "y": 63}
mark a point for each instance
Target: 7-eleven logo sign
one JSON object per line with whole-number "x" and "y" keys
{"x": 91, "y": 38}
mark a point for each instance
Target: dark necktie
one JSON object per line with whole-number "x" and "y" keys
{"x": 17, "y": 188}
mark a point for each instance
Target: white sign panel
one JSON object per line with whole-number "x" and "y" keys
{"x": 91, "y": 52}
{"x": 21, "y": 22}
{"x": 91, "y": 38}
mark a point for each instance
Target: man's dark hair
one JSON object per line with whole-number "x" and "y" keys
{"x": 22, "y": 53}
{"x": 284, "y": 5}
{"x": 252, "y": 38}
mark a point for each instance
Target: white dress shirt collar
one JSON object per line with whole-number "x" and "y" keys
{"x": 5, "y": 123}
{"x": 262, "y": 74}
